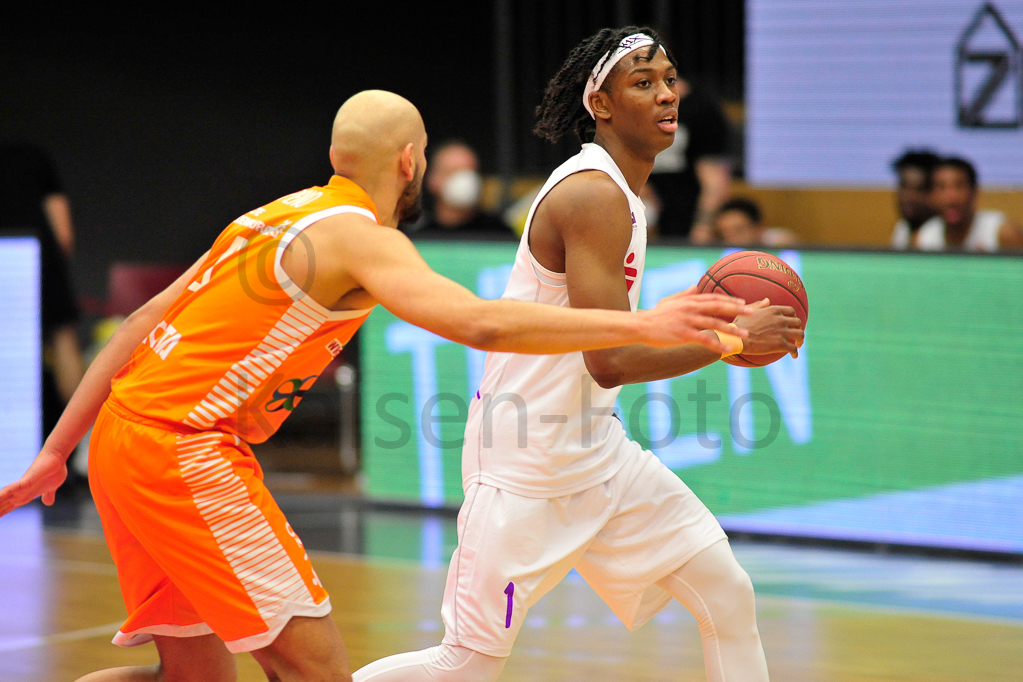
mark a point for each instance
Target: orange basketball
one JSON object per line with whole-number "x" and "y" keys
{"x": 752, "y": 276}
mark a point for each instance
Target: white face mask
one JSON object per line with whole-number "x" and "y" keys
{"x": 462, "y": 189}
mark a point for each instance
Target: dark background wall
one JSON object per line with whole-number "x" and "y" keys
{"x": 166, "y": 128}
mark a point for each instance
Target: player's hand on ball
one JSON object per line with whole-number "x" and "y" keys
{"x": 682, "y": 317}
{"x": 772, "y": 329}
{"x": 43, "y": 477}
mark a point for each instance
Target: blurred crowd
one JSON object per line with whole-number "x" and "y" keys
{"x": 938, "y": 210}
{"x": 690, "y": 198}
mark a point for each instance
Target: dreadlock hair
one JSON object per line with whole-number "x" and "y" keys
{"x": 562, "y": 108}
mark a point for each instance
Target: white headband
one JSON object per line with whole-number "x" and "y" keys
{"x": 608, "y": 61}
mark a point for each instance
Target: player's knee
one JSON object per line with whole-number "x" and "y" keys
{"x": 733, "y": 606}
{"x": 195, "y": 673}
{"x": 459, "y": 664}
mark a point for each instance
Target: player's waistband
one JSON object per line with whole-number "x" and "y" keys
{"x": 119, "y": 410}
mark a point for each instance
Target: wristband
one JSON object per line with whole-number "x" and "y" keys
{"x": 734, "y": 343}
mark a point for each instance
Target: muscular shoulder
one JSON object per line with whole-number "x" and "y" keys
{"x": 586, "y": 201}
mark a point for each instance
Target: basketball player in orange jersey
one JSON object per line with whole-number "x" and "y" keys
{"x": 207, "y": 563}
{"x": 576, "y": 492}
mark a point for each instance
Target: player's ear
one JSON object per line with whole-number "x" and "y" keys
{"x": 407, "y": 162}
{"x": 599, "y": 103}
{"x": 332, "y": 164}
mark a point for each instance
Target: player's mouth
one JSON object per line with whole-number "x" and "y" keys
{"x": 669, "y": 123}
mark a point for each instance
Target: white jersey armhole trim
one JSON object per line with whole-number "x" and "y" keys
{"x": 296, "y": 292}
{"x": 549, "y": 277}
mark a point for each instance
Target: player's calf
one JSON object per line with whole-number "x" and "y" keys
{"x": 306, "y": 650}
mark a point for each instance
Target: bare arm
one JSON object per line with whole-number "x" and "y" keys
{"x": 67, "y": 361}
{"x": 592, "y": 219}
{"x": 1010, "y": 236}
{"x": 58, "y": 212}
{"x": 49, "y": 470}
{"x": 356, "y": 259}
{"x": 715, "y": 176}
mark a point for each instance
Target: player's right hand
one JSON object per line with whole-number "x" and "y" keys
{"x": 683, "y": 317}
{"x": 43, "y": 477}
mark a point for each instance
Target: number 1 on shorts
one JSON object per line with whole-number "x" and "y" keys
{"x": 510, "y": 591}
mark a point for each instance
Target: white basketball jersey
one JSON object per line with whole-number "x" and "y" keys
{"x": 539, "y": 425}
{"x": 983, "y": 234}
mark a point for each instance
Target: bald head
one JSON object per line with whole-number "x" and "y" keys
{"x": 371, "y": 130}
{"x": 379, "y": 142}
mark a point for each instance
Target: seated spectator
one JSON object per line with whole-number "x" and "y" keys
{"x": 959, "y": 225}
{"x": 453, "y": 183}
{"x": 693, "y": 176}
{"x": 739, "y": 223}
{"x": 912, "y": 196}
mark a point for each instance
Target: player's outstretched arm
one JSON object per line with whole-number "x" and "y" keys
{"x": 49, "y": 469}
{"x": 384, "y": 263}
{"x": 589, "y": 217}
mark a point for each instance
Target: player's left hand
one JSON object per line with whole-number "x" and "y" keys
{"x": 43, "y": 477}
{"x": 772, "y": 329}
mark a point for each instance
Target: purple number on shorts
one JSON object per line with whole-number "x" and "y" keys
{"x": 510, "y": 591}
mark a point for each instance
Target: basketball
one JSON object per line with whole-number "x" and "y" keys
{"x": 752, "y": 276}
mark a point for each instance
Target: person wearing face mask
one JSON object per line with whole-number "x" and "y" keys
{"x": 454, "y": 183}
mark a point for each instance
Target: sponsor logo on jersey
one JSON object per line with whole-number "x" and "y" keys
{"x": 163, "y": 339}
{"x": 630, "y": 272}
{"x": 287, "y": 395}
{"x": 334, "y": 348}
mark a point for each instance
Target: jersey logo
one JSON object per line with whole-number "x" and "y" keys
{"x": 334, "y": 348}
{"x": 630, "y": 273}
{"x": 163, "y": 339}
{"x": 286, "y": 400}
{"x": 300, "y": 199}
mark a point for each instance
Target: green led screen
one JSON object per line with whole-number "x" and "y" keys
{"x": 902, "y": 420}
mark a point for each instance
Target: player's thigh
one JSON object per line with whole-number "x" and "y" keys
{"x": 195, "y": 659}
{"x": 198, "y": 506}
{"x": 657, "y": 525}
{"x": 511, "y": 551}
{"x": 306, "y": 649}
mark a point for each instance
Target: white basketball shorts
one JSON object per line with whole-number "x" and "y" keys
{"x": 622, "y": 536}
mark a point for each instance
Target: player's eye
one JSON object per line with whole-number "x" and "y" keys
{"x": 643, "y": 83}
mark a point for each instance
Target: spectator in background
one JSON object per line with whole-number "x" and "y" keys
{"x": 959, "y": 225}
{"x": 913, "y": 194}
{"x": 652, "y": 207}
{"x": 739, "y": 222}
{"x": 454, "y": 184}
{"x": 28, "y": 187}
{"x": 693, "y": 176}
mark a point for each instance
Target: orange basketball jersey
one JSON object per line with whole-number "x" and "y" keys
{"x": 243, "y": 343}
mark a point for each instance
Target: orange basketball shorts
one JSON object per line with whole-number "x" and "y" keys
{"x": 200, "y": 545}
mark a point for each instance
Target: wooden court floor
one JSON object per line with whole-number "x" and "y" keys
{"x": 60, "y": 606}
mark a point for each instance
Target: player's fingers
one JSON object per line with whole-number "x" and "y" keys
{"x": 718, "y": 305}
{"x": 49, "y": 497}
{"x": 715, "y": 323}
{"x": 762, "y": 303}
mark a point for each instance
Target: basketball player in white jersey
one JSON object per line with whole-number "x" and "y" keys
{"x": 551, "y": 480}
{"x": 959, "y": 225}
